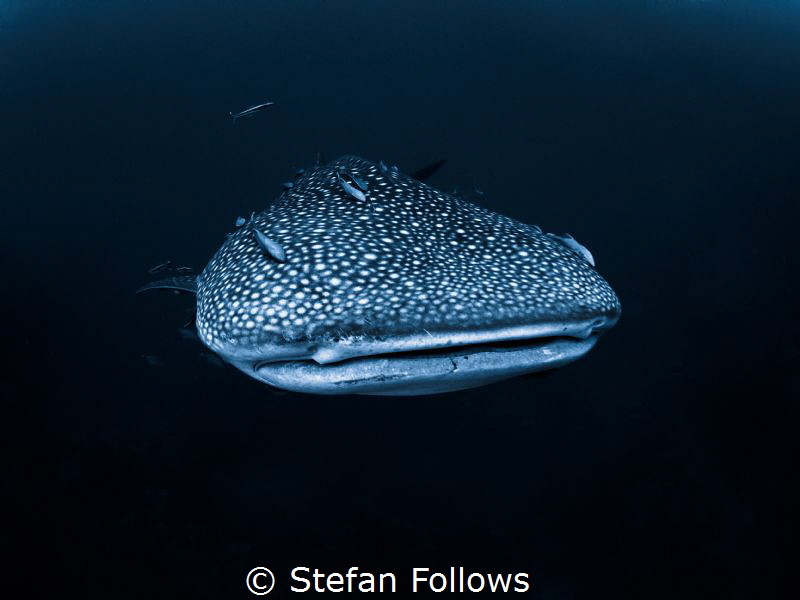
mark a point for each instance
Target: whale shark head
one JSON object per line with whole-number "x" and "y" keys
{"x": 360, "y": 279}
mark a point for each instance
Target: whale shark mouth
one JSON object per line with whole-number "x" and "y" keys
{"x": 416, "y": 366}
{"x": 419, "y": 372}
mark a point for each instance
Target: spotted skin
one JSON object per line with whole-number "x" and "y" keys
{"x": 408, "y": 259}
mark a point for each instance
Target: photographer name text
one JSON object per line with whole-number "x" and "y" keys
{"x": 261, "y": 581}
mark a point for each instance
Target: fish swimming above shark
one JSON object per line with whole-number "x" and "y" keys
{"x": 250, "y": 111}
{"x": 399, "y": 289}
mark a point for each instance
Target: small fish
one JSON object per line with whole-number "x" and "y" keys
{"x": 299, "y": 173}
{"x": 427, "y": 172}
{"x": 287, "y": 185}
{"x": 571, "y": 243}
{"x": 274, "y": 249}
{"x": 182, "y": 283}
{"x": 153, "y": 361}
{"x": 160, "y": 268}
{"x": 360, "y": 183}
{"x": 240, "y": 221}
{"x": 248, "y": 112}
{"x": 477, "y": 191}
{"x": 212, "y": 359}
{"x": 350, "y": 185}
{"x": 184, "y": 269}
{"x": 192, "y": 318}
{"x": 382, "y": 166}
{"x": 188, "y": 334}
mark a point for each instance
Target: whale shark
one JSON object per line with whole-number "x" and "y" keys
{"x": 360, "y": 279}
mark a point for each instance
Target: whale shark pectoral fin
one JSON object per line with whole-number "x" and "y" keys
{"x": 427, "y": 172}
{"x": 183, "y": 283}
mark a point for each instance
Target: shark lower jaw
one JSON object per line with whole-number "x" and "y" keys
{"x": 423, "y": 364}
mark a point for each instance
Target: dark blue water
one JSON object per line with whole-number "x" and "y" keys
{"x": 664, "y": 135}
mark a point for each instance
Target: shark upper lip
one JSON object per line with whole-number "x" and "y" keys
{"x": 335, "y": 352}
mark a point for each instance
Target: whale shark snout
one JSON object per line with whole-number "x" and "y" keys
{"x": 360, "y": 279}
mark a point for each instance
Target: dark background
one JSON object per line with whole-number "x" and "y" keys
{"x": 664, "y": 135}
